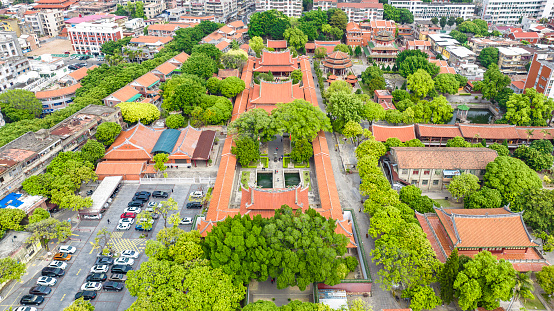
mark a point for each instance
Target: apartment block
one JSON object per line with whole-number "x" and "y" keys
{"x": 509, "y": 12}
{"x": 540, "y": 75}
{"x": 223, "y": 10}
{"x": 87, "y": 38}
{"x": 478, "y": 44}
{"x": 10, "y": 24}
{"x": 31, "y": 153}
{"x": 152, "y": 8}
{"x": 147, "y": 46}
{"x": 45, "y": 22}
{"x": 428, "y": 10}
{"x": 512, "y": 60}
{"x": 9, "y": 45}
{"x": 291, "y": 8}
{"x": 135, "y": 26}
{"x": 357, "y": 11}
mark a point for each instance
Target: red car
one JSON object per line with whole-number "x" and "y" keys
{"x": 128, "y": 215}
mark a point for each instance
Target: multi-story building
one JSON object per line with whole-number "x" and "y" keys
{"x": 12, "y": 61}
{"x": 196, "y": 18}
{"x": 57, "y": 99}
{"x": 291, "y": 8}
{"x": 54, "y": 4}
{"x": 9, "y": 45}
{"x": 362, "y": 11}
{"x": 457, "y": 55}
{"x": 510, "y": 12}
{"x": 163, "y": 30}
{"x": 512, "y": 60}
{"x": 147, "y": 46}
{"x": 428, "y": 10}
{"x": 28, "y": 42}
{"x": 135, "y": 25}
{"x": 531, "y": 37}
{"x": 10, "y": 24}
{"x": 477, "y": 44}
{"x": 223, "y": 10}
{"x": 152, "y": 8}
{"x": 30, "y": 153}
{"x": 418, "y": 45}
{"x": 32, "y": 20}
{"x": 363, "y": 33}
{"x": 540, "y": 75}
{"x": 87, "y": 38}
{"x": 45, "y": 22}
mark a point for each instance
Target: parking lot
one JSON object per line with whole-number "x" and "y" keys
{"x": 78, "y": 268}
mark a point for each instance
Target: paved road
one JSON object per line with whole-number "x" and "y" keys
{"x": 84, "y": 234}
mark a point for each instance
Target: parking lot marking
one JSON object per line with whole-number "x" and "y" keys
{"x": 120, "y": 245}
{"x": 64, "y": 294}
{"x": 74, "y": 234}
{"x": 78, "y": 272}
{"x": 93, "y": 247}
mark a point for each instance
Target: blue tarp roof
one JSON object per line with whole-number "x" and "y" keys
{"x": 11, "y": 200}
{"x": 167, "y": 141}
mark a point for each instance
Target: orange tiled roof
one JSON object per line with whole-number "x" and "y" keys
{"x": 519, "y": 84}
{"x": 272, "y": 199}
{"x": 274, "y": 93}
{"x": 147, "y": 79}
{"x": 277, "y": 44}
{"x": 64, "y": 91}
{"x": 236, "y": 24}
{"x": 125, "y": 93}
{"x": 120, "y": 168}
{"x": 151, "y": 39}
{"x": 404, "y": 133}
{"x": 443, "y": 157}
{"x": 535, "y": 132}
{"x": 166, "y": 68}
{"x": 181, "y": 57}
{"x": 135, "y": 143}
{"x": 186, "y": 143}
{"x": 500, "y": 131}
{"x": 222, "y": 45}
{"x": 226, "y": 29}
{"x": 164, "y": 27}
{"x": 438, "y": 130}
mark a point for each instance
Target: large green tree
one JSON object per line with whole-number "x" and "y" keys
{"x": 412, "y": 64}
{"x": 420, "y": 83}
{"x": 80, "y": 305}
{"x": 447, "y": 83}
{"x": 93, "y": 151}
{"x": 344, "y": 107}
{"x": 295, "y": 38}
{"x": 447, "y": 276}
{"x": 11, "y": 269}
{"x": 255, "y": 123}
{"x": 463, "y": 185}
{"x": 484, "y": 198}
{"x": 49, "y": 229}
{"x": 302, "y": 151}
{"x": 270, "y": 23}
{"x": 530, "y": 108}
{"x": 19, "y": 105}
{"x": 207, "y": 49}
{"x": 107, "y": 132}
{"x": 511, "y": 177}
{"x": 231, "y": 86}
{"x": 201, "y": 65}
{"x": 183, "y": 96}
{"x": 534, "y": 158}
{"x": 545, "y": 277}
{"x": 488, "y": 56}
{"x": 538, "y": 205}
{"x": 146, "y": 113}
{"x": 246, "y": 149}
{"x": 300, "y": 119}
{"x": 493, "y": 82}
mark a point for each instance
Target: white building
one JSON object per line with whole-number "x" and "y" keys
{"x": 509, "y": 12}
{"x": 223, "y": 10}
{"x": 426, "y": 11}
{"x": 12, "y": 61}
{"x": 9, "y": 45}
{"x": 87, "y": 38}
{"x": 291, "y": 8}
{"x": 356, "y": 11}
{"x": 136, "y": 26}
{"x": 45, "y": 22}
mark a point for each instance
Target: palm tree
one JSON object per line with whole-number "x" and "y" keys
{"x": 523, "y": 287}
{"x": 529, "y": 133}
{"x": 546, "y": 132}
{"x": 476, "y": 138}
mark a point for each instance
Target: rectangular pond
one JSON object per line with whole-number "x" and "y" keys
{"x": 264, "y": 180}
{"x": 292, "y": 179}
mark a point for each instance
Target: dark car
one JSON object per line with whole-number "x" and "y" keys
{"x": 194, "y": 205}
{"x": 110, "y": 285}
{"x": 160, "y": 194}
{"x": 97, "y": 277}
{"x": 31, "y": 300}
{"x": 143, "y": 193}
{"x": 40, "y": 290}
{"x": 90, "y": 192}
{"x": 72, "y": 67}
{"x": 141, "y": 228}
{"x": 121, "y": 269}
{"x": 143, "y": 198}
{"x": 52, "y": 272}
{"x": 135, "y": 204}
{"x": 86, "y": 294}
{"x": 84, "y": 57}
{"x": 81, "y": 65}
{"x": 104, "y": 260}
{"x": 118, "y": 277}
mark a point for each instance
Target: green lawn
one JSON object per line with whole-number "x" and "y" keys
{"x": 244, "y": 179}
{"x": 534, "y": 304}
{"x": 444, "y": 203}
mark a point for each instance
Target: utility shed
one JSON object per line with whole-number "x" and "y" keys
{"x": 166, "y": 142}
{"x": 101, "y": 195}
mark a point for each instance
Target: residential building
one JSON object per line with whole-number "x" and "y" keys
{"x": 362, "y": 11}
{"x": 154, "y": 9}
{"x": 384, "y": 98}
{"x": 291, "y": 8}
{"x": 223, "y": 10}
{"x": 496, "y": 230}
{"x": 124, "y": 94}
{"x": 531, "y": 37}
{"x": 512, "y": 60}
{"x": 175, "y": 14}
{"x": 87, "y": 38}
{"x": 478, "y": 44}
{"x": 428, "y": 10}
{"x": 324, "y": 5}
{"x": 75, "y": 76}
{"x": 63, "y": 5}
{"x": 147, "y": 46}
{"x": 57, "y": 99}
{"x": 96, "y": 7}
{"x": 10, "y": 69}
{"x": 432, "y": 168}
{"x": 506, "y": 12}
{"x": 28, "y": 42}
{"x": 31, "y": 153}
{"x": 135, "y": 26}
{"x": 471, "y": 71}
{"x": 9, "y": 45}
{"x": 163, "y": 30}
{"x": 10, "y": 24}
{"x": 540, "y": 75}
{"x": 518, "y": 86}
{"x": 45, "y": 22}
{"x": 457, "y": 55}
{"x": 197, "y": 18}
{"x": 440, "y": 41}
{"x": 32, "y": 19}
{"x": 418, "y": 45}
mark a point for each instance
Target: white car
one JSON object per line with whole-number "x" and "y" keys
{"x": 25, "y": 308}
{"x": 196, "y": 195}
{"x": 130, "y": 254}
{"x": 99, "y": 269}
{"x": 124, "y": 226}
{"x": 46, "y": 281}
{"x": 58, "y": 264}
{"x": 93, "y": 217}
{"x": 92, "y": 286}
{"x": 127, "y": 221}
{"x": 152, "y": 204}
{"x": 68, "y": 249}
{"x": 186, "y": 221}
{"x": 124, "y": 261}
{"x": 135, "y": 210}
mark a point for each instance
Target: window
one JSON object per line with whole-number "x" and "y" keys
{"x": 435, "y": 182}
{"x": 426, "y": 172}
{"x": 416, "y": 172}
{"x": 404, "y": 172}
{"x": 437, "y": 172}
{"x": 414, "y": 182}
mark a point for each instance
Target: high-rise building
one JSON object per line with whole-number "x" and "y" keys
{"x": 291, "y": 8}
{"x": 45, "y": 22}
{"x": 428, "y": 10}
{"x": 12, "y": 61}
{"x": 510, "y": 12}
{"x": 87, "y": 38}
{"x": 357, "y": 11}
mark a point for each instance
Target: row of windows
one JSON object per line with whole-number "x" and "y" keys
{"x": 438, "y": 172}
{"x": 425, "y": 182}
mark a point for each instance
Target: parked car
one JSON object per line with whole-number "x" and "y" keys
{"x": 72, "y": 67}
{"x": 135, "y": 204}
{"x": 91, "y": 286}
{"x": 113, "y": 286}
{"x": 139, "y": 227}
{"x": 118, "y": 277}
{"x": 99, "y": 269}
{"x": 127, "y": 221}
{"x": 40, "y": 290}
{"x": 25, "y": 308}
{"x": 194, "y": 205}
{"x": 93, "y": 217}
{"x": 52, "y": 272}
{"x": 104, "y": 260}
{"x": 124, "y": 261}
{"x": 186, "y": 221}
{"x": 153, "y": 204}
{"x": 155, "y": 216}
{"x": 124, "y": 226}
{"x": 101, "y": 254}
{"x": 62, "y": 256}
{"x": 86, "y": 294}
{"x": 135, "y": 210}
{"x": 197, "y": 194}
{"x": 160, "y": 194}
{"x": 121, "y": 269}
{"x": 96, "y": 277}
{"x": 143, "y": 193}
{"x": 130, "y": 254}
{"x": 128, "y": 215}
{"x": 90, "y": 192}
{"x": 46, "y": 281}
{"x": 58, "y": 264}
{"x": 68, "y": 249}
{"x": 143, "y": 198}
{"x": 31, "y": 300}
